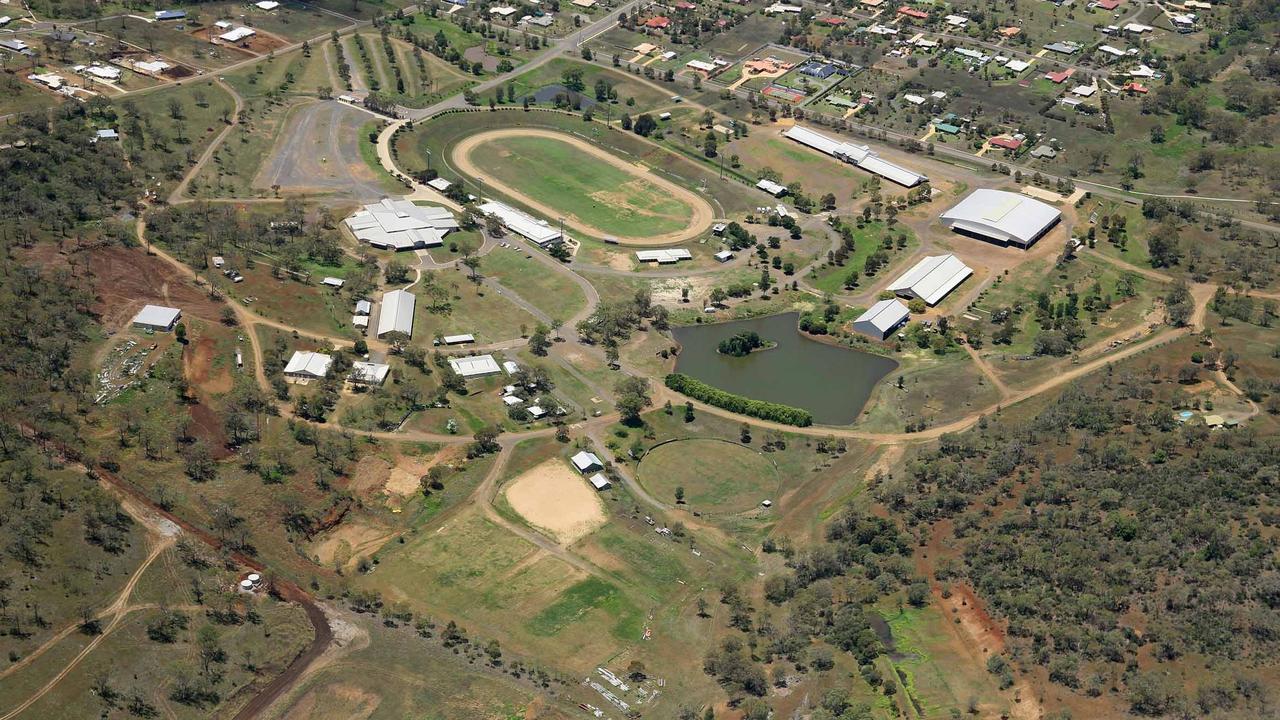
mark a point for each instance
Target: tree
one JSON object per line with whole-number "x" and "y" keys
{"x": 645, "y": 125}
{"x": 538, "y": 342}
{"x": 180, "y": 333}
{"x": 688, "y": 412}
{"x": 396, "y": 272}
{"x": 679, "y": 494}
{"x": 632, "y": 398}
{"x": 485, "y": 442}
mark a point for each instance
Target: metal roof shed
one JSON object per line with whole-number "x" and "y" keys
{"x": 932, "y": 279}
{"x": 882, "y": 318}
{"x": 1003, "y": 217}
{"x": 397, "y": 313}
{"x": 157, "y": 317}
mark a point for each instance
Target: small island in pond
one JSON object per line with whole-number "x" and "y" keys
{"x": 743, "y": 344}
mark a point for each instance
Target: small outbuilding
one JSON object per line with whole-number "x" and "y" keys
{"x": 599, "y": 482}
{"x": 368, "y": 373}
{"x": 474, "y": 366}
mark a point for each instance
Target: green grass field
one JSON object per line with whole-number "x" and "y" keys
{"x": 605, "y": 197}
{"x": 716, "y": 475}
{"x": 550, "y": 292}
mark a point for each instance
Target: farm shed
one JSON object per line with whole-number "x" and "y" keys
{"x": 1001, "y": 217}
{"x": 157, "y": 317}
{"x": 882, "y": 318}
{"x": 397, "y": 313}
{"x": 932, "y": 279}
{"x": 586, "y": 462}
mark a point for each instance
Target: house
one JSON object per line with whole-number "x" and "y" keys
{"x": 235, "y": 35}
{"x": 772, "y": 187}
{"x": 510, "y": 367}
{"x": 931, "y": 279}
{"x": 913, "y": 99}
{"x": 1214, "y": 421}
{"x": 170, "y": 14}
{"x": 101, "y": 72}
{"x": 267, "y": 5}
{"x": 360, "y": 321}
{"x": 307, "y": 365}
{"x": 956, "y": 20}
{"x": 5, "y": 20}
{"x": 971, "y": 54}
{"x": 782, "y": 8}
{"x": 332, "y": 282}
{"x": 474, "y": 365}
{"x": 512, "y": 400}
{"x": 536, "y": 412}
{"x": 718, "y": 229}
{"x": 832, "y": 21}
{"x": 540, "y": 20}
{"x": 586, "y": 462}
{"x": 1059, "y": 77}
{"x": 724, "y": 256}
{"x": 644, "y": 48}
{"x": 1142, "y": 71}
{"x": 1001, "y": 217}
{"x": 157, "y": 317}
{"x": 401, "y": 225}
{"x": 818, "y": 70}
{"x": 368, "y": 373}
{"x": 397, "y": 313}
{"x": 913, "y": 13}
{"x": 1010, "y": 31}
{"x": 1135, "y": 87}
{"x": 658, "y": 22}
{"x": 1065, "y": 48}
{"x": 599, "y": 481}
{"x": 49, "y": 80}
{"x": 151, "y": 67}
{"x": 585, "y": 4}
{"x": 502, "y": 11}
{"x": 1007, "y": 143}
{"x": 1113, "y": 51}
{"x": 1017, "y": 66}
{"x": 1137, "y": 28}
{"x": 104, "y": 134}
{"x": 882, "y": 318}
{"x": 1084, "y": 90}
{"x": 521, "y": 223}
{"x": 1044, "y": 151}
{"x": 364, "y": 307}
{"x": 946, "y": 128}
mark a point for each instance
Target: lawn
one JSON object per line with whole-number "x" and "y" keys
{"x": 867, "y": 239}
{"x": 716, "y": 475}
{"x": 468, "y": 309}
{"x": 550, "y": 292}
{"x": 603, "y": 196}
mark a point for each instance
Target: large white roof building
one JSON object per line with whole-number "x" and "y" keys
{"x": 1003, "y": 217}
{"x": 859, "y": 155}
{"x": 932, "y": 279}
{"x": 882, "y": 318}
{"x": 521, "y": 223}
{"x": 401, "y": 225}
{"x": 157, "y": 317}
{"x": 474, "y": 365}
{"x": 397, "y": 313}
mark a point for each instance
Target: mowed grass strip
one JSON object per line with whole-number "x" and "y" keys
{"x": 716, "y": 475}
{"x": 557, "y": 174}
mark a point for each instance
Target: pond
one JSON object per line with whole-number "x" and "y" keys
{"x": 831, "y": 382}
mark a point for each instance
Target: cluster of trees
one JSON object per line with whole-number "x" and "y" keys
{"x": 762, "y": 409}
{"x": 741, "y": 344}
{"x": 1100, "y": 527}
{"x": 613, "y": 322}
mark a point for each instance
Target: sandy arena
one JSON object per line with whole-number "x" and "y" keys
{"x": 553, "y": 498}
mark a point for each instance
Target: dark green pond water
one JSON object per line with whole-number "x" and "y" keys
{"x": 831, "y": 382}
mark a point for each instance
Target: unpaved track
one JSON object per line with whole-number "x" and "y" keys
{"x": 698, "y": 223}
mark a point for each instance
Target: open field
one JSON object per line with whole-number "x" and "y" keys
{"x": 554, "y": 498}
{"x": 596, "y": 192}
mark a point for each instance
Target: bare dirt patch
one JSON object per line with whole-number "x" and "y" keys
{"x": 555, "y": 499}
{"x": 197, "y": 366}
{"x": 337, "y": 700}
{"x": 404, "y": 477}
{"x": 125, "y": 279}
{"x": 702, "y": 212}
{"x": 343, "y": 546}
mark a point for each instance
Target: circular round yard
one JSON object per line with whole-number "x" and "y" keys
{"x": 717, "y": 476}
